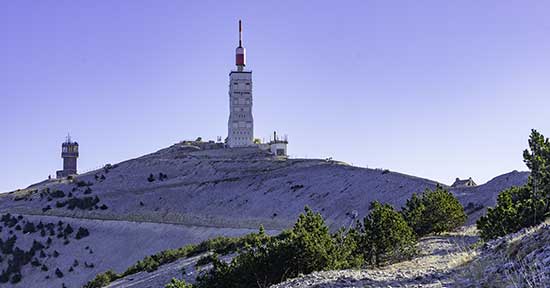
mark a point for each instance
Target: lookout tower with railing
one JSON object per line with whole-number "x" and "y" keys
{"x": 69, "y": 153}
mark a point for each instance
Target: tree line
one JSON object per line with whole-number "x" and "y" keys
{"x": 384, "y": 236}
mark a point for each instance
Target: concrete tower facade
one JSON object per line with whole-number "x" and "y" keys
{"x": 69, "y": 153}
{"x": 241, "y": 123}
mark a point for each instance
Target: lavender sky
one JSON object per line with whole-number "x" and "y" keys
{"x": 437, "y": 89}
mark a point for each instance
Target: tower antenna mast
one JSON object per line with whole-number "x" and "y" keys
{"x": 240, "y": 34}
{"x": 240, "y": 52}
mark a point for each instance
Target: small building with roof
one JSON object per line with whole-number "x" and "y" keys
{"x": 464, "y": 183}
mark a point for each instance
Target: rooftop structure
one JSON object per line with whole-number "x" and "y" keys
{"x": 278, "y": 147}
{"x": 464, "y": 183}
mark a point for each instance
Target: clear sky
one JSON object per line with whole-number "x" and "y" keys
{"x": 437, "y": 89}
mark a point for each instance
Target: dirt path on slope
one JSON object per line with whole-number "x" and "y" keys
{"x": 437, "y": 265}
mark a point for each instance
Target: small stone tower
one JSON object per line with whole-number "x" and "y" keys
{"x": 69, "y": 153}
{"x": 241, "y": 123}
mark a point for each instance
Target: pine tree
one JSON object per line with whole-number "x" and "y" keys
{"x": 524, "y": 206}
{"x": 387, "y": 236}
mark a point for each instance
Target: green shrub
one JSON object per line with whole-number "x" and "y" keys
{"x": 57, "y": 194}
{"x": 434, "y": 212}
{"x": 81, "y": 233}
{"x": 312, "y": 246}
{"x": 525, "y": 206}
{"x": 29, "y": 228}
{"x": 387, "y": 237}
{"x": 58, "y": 273}
{"x": 175, "y": 283}
{"x": 83, "y": 183}
{"x": 102, "y": 280}
{"x": 515, "y": 209}
{"x": 84, "y": 203}
{"x": 307, "y": 247}
{"x": 347, "y": 244}
{"x": 205, "y": 260}
{"x": 68, "y": 230}
{"x": 8, "y": 245}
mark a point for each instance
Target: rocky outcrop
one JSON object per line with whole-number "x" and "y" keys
{"x": 521, "y": 259}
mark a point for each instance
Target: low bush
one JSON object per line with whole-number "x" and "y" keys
{"x": 84, "y": 203}
{"x": 81, "y": 233}
{"x": 434, "y": 211}
{"x": 176, "y": 283}
{"x": 82, "y": 183}
{"x": 307, "y": 247}
{"x": 58, "y": 273}
{"x": 29, "y": 228}
{"x": 219, "y": 245}
{"x": 57, "y": 194}
{"x": 101, "y": 280}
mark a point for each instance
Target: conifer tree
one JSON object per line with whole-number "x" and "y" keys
{"x": 524, "y": 206}
{"x": 387, "y": 236}
{"x": 434, "y": 212}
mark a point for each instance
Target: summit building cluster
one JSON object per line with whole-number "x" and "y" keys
{"x": 240, "y": 126}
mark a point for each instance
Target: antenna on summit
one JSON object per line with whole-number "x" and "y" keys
{"x": 240, "y": 53}
{"x": 240, "y": 34}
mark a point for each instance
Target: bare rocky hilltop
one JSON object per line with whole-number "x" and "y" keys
{"x": 181, "y": 195}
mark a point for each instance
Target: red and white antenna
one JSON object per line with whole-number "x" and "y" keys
{"x": 240, "y": 34}
{"x": 240, "y": 53}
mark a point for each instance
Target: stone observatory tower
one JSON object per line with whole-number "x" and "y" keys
{"x": 240, "y": 124}
{"x": 69, "y": 153}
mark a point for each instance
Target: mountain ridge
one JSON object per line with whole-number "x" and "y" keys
{"x": 206, "y": 193}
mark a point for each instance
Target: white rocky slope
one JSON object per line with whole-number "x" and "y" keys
{"x": 240, "y": 188}
{"x": 111, "y": 245}
{"x": 205, "y": 193}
